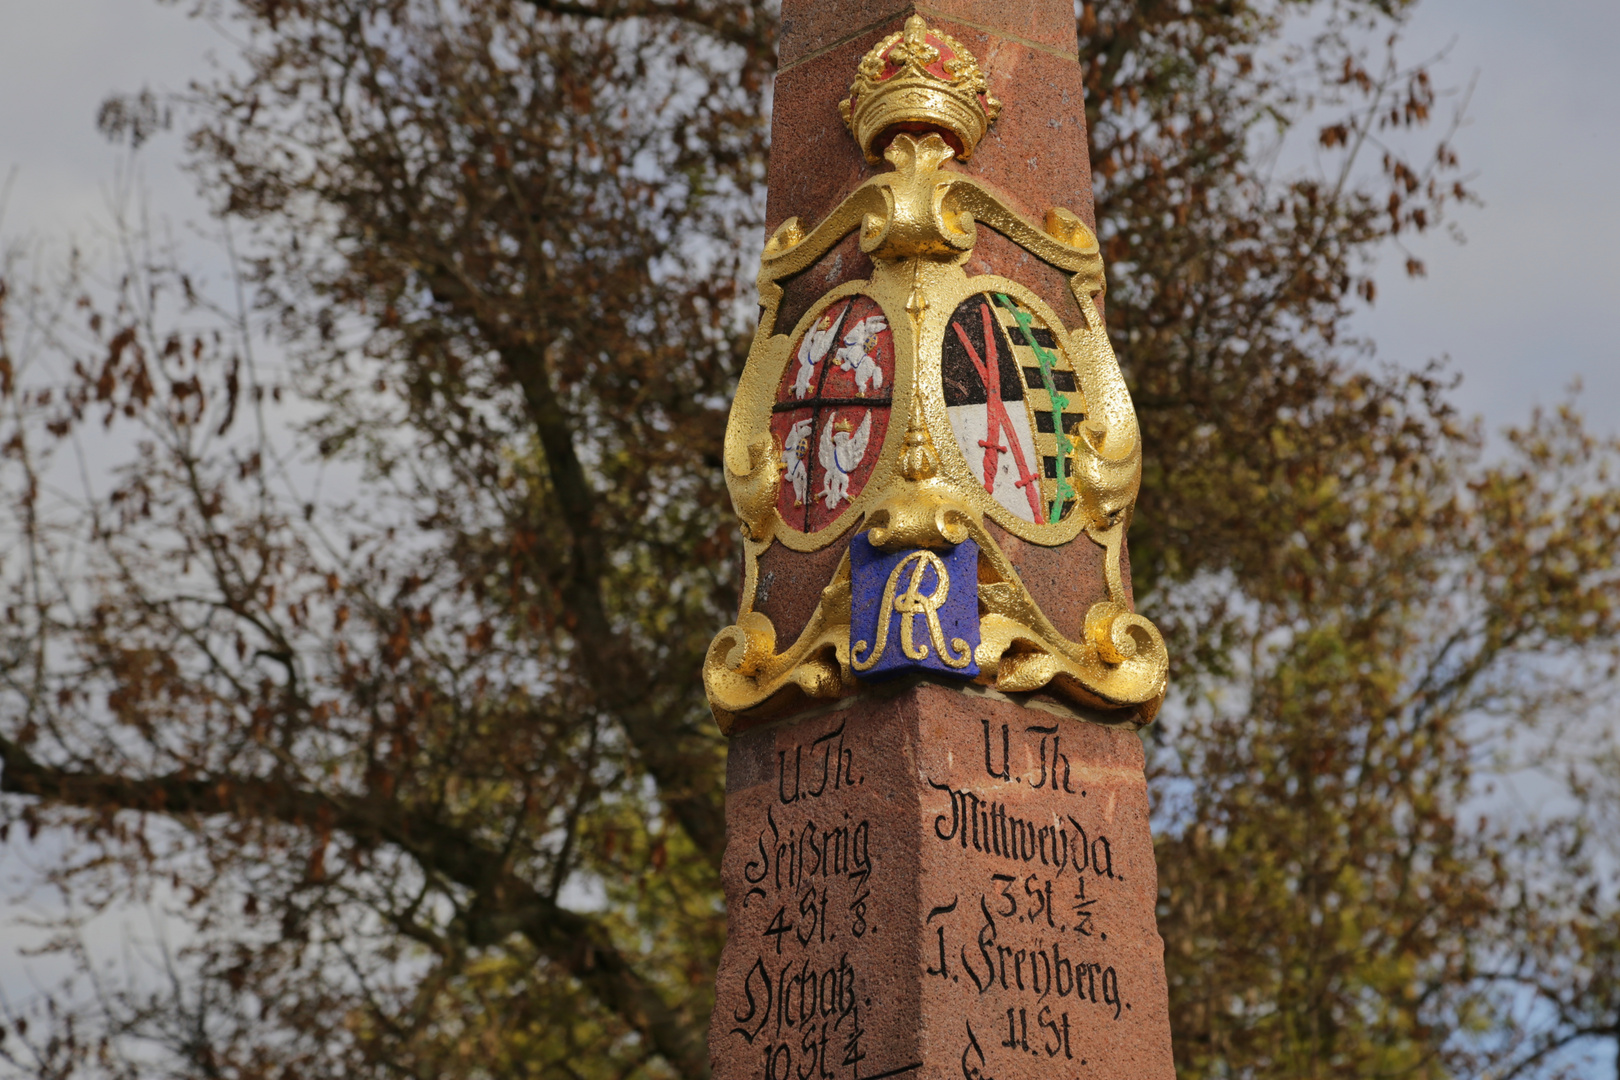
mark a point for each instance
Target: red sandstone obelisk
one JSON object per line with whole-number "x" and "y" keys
{"x": 938, "y": 859}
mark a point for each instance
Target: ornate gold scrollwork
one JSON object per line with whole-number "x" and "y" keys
{"x": 919, "y": 223}
{"x": 743, "y": 670}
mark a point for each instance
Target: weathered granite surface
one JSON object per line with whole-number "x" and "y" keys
{"x": 939, "y": 883}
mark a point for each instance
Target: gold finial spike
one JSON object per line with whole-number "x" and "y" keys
{"x": 919, "y": 79}
{"x": 920, "y": 461}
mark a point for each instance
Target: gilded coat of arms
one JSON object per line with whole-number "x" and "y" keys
{"x": 905, "y": 413}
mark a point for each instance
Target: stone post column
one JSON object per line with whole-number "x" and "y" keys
{"x": 938, "y": 859}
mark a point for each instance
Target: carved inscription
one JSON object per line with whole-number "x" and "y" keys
{"x": 805, "y": 1002}
{"x": 1020, "y": 944}
{"x": 967, "y": 891}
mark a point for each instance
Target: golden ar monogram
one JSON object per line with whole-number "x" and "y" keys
{"x": 911, "y": 604}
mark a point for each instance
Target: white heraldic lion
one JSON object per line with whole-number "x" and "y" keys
{"x": 843, "y": 447}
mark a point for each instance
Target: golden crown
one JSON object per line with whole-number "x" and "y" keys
{"x": 918, "y": 79}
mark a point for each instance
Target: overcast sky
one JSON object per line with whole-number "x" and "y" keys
{"x": 1525, "y": 306}
{"x": 1522, "y": 309}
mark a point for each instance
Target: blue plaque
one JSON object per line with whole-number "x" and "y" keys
{"x": 913, "y": 610}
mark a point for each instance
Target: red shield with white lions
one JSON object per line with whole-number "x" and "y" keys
{"x": 832, "y": 411}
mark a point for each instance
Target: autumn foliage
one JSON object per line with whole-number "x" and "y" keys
{"x": 357, "y": 628}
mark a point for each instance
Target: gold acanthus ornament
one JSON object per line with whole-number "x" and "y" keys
{"x": 919, "y": 223}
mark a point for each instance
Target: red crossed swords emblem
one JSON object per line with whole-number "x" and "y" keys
{"x": 997, "y": 423}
